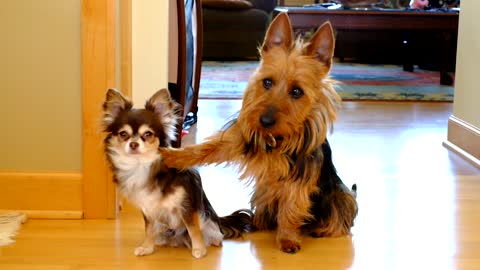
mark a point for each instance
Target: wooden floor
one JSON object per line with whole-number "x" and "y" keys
{"x": 419, "y": 206}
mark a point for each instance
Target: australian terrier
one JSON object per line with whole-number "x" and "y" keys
{"x": 278, "y": 140}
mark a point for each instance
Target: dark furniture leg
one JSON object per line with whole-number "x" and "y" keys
{"x": 408, "y": 52}
{"x": 189, "y": 63}
{"x": 445, "y": 46}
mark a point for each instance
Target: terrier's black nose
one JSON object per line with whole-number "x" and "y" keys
{"x": 267, "y": 119}
{"x": 134, "y": 145}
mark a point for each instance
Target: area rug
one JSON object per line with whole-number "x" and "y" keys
{"x": 228, "y": 80}
{"x": 10, "y": 223}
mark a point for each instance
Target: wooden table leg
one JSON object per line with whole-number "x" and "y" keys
{"x": 445, "y": 46}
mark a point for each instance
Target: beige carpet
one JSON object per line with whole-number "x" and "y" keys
{"x": 10, "y": 224}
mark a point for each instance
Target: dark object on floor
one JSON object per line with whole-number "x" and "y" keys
{"x": 189, "y": 121}
{"x": 232, "y": 30}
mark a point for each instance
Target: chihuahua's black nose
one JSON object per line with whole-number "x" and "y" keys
{"x": 134, "y": 145}
{"x": 267, "y": 119}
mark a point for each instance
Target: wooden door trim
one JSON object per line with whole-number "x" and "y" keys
{"x": 98, "y": 74}
{"x": 126, "y": 46}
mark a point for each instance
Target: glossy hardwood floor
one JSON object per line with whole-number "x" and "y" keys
{"x": 419, "y": 205}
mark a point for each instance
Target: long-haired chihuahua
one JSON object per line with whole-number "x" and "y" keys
{"x": 174, "y": 205}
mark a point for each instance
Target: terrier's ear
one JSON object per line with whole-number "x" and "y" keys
{"x": 114, "y": 103}
{"x": 279, "y": 33}
{"x": 322, "y": 44}
{"x": 162, "y": 104}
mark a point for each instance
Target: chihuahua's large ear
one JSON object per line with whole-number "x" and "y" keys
{"x": 114, "y": 103}
{"x": 322, "y": 44}
{"x": 162, "y": 104}
{"x": 279, "y": 33}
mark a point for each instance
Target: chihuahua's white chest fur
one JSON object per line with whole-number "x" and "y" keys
{"x": 133, "y": 175}
{"x": 132, "y": 171}
{"x": 133, "y": 137}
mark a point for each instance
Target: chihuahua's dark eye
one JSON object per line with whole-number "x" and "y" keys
{"x": 147, "y": 135}
{"x": 123, "y": 135}
{"x": 296, "y": 93}
{"x": 267, "y": 83}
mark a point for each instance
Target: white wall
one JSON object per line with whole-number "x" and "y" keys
{"x": 467, "y": 87}
{"x": 149, "y": 44}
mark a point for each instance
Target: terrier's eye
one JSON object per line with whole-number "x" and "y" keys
{"x": 267, "y": 83}
{"x": 123, "y": 135}
{"x": 296, "y": 93}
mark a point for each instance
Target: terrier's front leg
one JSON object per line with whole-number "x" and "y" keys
{"x": 288, "y": 237}
{"x": 219, "y": 148}
{"x": 291, "y": 216}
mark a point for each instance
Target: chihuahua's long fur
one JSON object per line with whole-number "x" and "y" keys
{"x": 174, "y": 206}
{"x": 279, "y": 140}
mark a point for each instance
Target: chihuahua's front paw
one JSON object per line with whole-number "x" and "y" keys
{"x": 143, "y": 251}
{"x": 199, "y": 252}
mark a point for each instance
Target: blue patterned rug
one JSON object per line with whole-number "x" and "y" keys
{"x": 227, "y": 80}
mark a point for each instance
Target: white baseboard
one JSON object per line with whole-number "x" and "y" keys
{"x": 464, "y": 140}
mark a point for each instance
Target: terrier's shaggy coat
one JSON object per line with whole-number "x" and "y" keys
{"x": 279, "y": 140}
